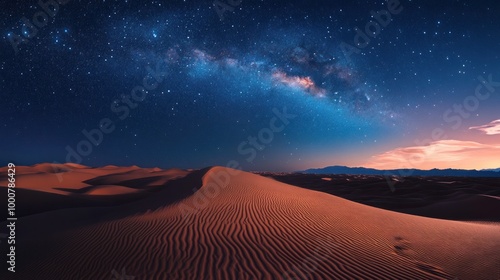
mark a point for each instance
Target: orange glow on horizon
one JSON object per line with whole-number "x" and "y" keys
{"x": 440, "y": 154}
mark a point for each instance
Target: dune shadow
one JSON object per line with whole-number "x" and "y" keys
{"x": 176, "y": 190}
{"x": 157, "y": 196}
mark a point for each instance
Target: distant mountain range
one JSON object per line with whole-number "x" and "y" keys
{"x": 494, "y": 170}
{"x": 404, "y": 172}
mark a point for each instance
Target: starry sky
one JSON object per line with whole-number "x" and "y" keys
{"x": 265, "y": 85}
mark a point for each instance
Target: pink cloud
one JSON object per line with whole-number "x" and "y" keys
{"x": 440, "y": 154}
{"x": 493, "y": 128}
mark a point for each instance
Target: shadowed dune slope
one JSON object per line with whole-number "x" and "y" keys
{"x": 453, "y": 198}
{"x": 212, "y": 225}
{"x": 46, "y": 187}
{"x": 472, "y": 207}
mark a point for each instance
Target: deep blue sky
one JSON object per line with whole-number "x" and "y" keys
{"x": 222, "y": 79}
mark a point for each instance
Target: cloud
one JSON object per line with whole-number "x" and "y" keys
{"x": 493, "y": 128}
{"x": 440, "y": 154}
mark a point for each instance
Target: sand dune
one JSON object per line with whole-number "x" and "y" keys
{"x": 208, "y": 225}
{"x": 470, "y": 207}
{"x": 45, "y": 187}
{"x": 460, "y": 198}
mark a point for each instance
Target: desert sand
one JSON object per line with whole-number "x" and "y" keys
{"x": 453, "y": 198}
{"x": 77, "y": 222}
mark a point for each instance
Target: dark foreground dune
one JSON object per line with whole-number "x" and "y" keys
{"x": 219, "y": 223}
{"x": 454, "y": 198}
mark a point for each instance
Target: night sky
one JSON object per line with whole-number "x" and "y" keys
{"x": 270, "y": 85}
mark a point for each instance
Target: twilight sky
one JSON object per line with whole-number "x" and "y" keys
{"x": 270, "y": 85}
